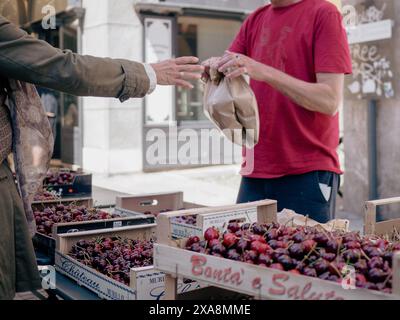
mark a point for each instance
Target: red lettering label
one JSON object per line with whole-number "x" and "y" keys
{"x": 277, "y": 280}
{"x": 197, "y": 265}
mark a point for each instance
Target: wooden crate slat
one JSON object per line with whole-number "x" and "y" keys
{"x": 263, "y": 283}
{"x": 371, "y": 226}
{"x": 151, "y": 202}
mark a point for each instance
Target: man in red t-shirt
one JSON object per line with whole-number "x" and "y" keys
{"x": 296, "y": 54}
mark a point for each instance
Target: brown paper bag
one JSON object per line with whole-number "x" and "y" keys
{"x": 232, "y": 106}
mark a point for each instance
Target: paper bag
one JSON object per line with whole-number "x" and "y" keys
{"x": 232, "y": 106}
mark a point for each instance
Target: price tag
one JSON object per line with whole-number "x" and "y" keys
{"x": 117, "y": 224}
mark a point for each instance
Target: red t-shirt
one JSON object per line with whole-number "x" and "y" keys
{"x": 301, "y": 40}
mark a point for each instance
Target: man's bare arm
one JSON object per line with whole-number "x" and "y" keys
{"x": 324, "y": 96}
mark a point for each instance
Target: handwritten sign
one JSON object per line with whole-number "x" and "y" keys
{"x": 368, "y": 36}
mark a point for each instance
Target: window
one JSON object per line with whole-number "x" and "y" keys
{"x": 204, "y": 38}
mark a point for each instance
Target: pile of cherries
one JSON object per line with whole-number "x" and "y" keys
{"x": 304, "y": 250}
{"x": 58, "y": 178}
{"x": 192, "y": 220}
{"x": 114, "y": 256}
{"x": 61, "y": 213}
{"x": 44, "y": 195}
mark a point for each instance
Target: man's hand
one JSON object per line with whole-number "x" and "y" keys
{"x": 178, "y": 72}
{"x": 234, "y": 65}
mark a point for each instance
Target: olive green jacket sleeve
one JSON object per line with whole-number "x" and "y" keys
{"x": 25, "y": 58}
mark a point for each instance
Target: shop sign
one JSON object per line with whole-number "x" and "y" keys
{"x": 374, "y": 31}
{"x": 370, "y": 44}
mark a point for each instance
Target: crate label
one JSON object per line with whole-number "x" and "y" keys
{"x": 117, "y": 224}
{"x": 149, "y": 282}
{"x": 150, "y": 285}
{"x": 221, "y": 220}
{"x": 180, "y": 230}
{"x": 104, "y": 286}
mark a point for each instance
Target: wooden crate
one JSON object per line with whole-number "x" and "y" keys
{"x": 47, "y": 244}
{"x": 259, "y": 282}
{"x": 145, "y": 283}
{"x": 384, "y": 228}
{"x": 81, "y": 186}
{"x": 44, "y": 243}
{"x": 151, "y": 203}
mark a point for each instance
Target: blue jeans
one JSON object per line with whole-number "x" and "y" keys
{"x": 312, "y": 194}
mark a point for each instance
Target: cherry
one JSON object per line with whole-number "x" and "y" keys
{"x": 257, "y": 237}
{"x": 352, "y": 245}
{"x": 272, "y": 234}
{"x": 352, "y": 255}
{"x": 216, "y": 254}
{"x": 264, "y": 259}
{"x": 386, "y": 267}
{"x": 296, "y": 250}
{"x": 361, "y": 266}
{"x": 336, "y": 268}
{"x": 191, "y": 240}
{"x": 360, "y": 280}
{"x": 258, "y": 229}
{"x": 277, "y": 266}
{"x": 324, "y": 276}
{"x": 288, "y": 231}
{"x": 381, "y": 244}
{"x": 321, "y": 266}
{"x": 250, "y": 255}
{"x": 279, "y": 252}
{"x": 233, "y": 227}
{"x": 388, "y": 257}
{"x": 286, "y": 262}
{"x": 329, "y": 256}
{"x": 295, "y": 271}
{"x": 245, "y": 226}
{"x": 242, "y": 245}
{"x": 196, "y": 247}
{"x": 213, "y": 242}
{"x": 310, "y": 272}
{"x": 321, "y": 239}
{"x": 229, "y": 240}
{"x": 232, "y": 254}
{"x": 260, "y": 247}
{"x": 376, "y": 275}
{"x": 375, "y": 262}
{"x": 218, "y": 248}
{"x": 350, "y": 237}
{"x": 334, "y": 278}
{"x": 298, "y": 237}
{"x": 211, "y": 233}
{"x": 371, "y": 251}
{"x": 274, "y": 244}
{"x": 308, "y": 245}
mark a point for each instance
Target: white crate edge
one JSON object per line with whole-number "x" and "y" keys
{"x": 150, "y": 282}
{"x": 262, "y": 283}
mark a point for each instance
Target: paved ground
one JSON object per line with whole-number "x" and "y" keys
{"x": 208, "y": 186}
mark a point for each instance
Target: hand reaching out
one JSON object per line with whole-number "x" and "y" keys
{"x": 178, "y": 71}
